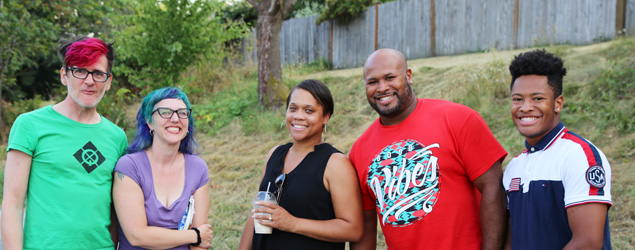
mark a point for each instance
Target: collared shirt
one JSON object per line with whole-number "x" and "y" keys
{"x": 560, "y": 171}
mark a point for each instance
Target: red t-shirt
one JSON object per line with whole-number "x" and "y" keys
{"x": 418, "y": 175}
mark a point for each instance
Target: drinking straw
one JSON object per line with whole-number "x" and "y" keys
{"x": 267, "y": 194}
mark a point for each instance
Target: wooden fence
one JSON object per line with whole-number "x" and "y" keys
{"x": 425, "y": 28}
{"x": 629, "y": 19}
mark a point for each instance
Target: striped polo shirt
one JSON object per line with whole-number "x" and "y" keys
{"x": 561, "y": 170}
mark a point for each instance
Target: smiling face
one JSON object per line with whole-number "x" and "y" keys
{"x": 169, "y": 130}
{"x": 534, "y": 109}
{"x": 388, "y": 86}
{"x": 86, "y": 93}
{"x": 305, "y": 117}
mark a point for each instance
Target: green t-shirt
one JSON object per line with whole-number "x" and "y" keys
{"x": 68, "y": 198}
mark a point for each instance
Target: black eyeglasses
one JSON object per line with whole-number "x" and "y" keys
{"x": 80, "y": 73}
{"x": 167, "y": 113}
{"x": 279, "y": 182}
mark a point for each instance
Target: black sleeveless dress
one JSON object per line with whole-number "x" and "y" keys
{"x": 303, "y": 196}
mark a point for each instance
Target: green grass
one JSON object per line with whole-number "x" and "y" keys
{"x": 236, "y": 133}
{"x": 605, "y": 119}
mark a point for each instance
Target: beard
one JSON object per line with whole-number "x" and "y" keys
{"x": 403, "y": 100}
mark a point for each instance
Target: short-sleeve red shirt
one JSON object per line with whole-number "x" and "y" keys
{"x": 418, "y": 175}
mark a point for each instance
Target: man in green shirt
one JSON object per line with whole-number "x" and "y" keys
{"x": 60, "y": 160}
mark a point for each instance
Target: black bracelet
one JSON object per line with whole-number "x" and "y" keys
{"x": 198, "y": 237}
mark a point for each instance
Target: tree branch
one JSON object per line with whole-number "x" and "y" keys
{"x": 287, "y": 5}
{"x": 274, "y": 7}
{"x": 253, "y": 3}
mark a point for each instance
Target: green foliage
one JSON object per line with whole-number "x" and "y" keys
{"x": 345, "y": 10}
{"x": 162, "y": 39}
{"x": 614, "y": 85}
{"x": 115, "y": 105}
{"x": 11, "y": 112}
{"x": 234, "y": 105}
{"x": 305, "y": 8}
{"x": 29, "y": 31}
{"x": 240, "y": 12}
{"x": 483, "y": 86}
{"x": 318, "y": 65}
{"x": 23, "y": 35}
{"x": 617, "y": 81}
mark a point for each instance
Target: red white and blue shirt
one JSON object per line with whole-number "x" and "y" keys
{"x": 561, "y": 170}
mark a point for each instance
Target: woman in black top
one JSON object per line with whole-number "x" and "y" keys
{"x": 320, "y": 204}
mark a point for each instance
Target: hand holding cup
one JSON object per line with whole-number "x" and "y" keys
{"x": 272, "y": 215}
{"x": 260, "y": 199}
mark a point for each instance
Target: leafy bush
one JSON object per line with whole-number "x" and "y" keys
{"x": 162, "y": 39}
{"x": 345, "y": 10}
{"x": 115, "y": 106}
{"x": 11, "y": 112}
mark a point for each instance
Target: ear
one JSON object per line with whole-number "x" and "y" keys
{"x": 327, "y": 117}
{"x": 107, "y": 87}
{"x": 63, "y": 76}
{"x": 149, "y": 125}
{"x": 409, "y": 76}
{"x": 559, "y": 104}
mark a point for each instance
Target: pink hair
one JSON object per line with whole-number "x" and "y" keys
{"x": 85, "y": 52}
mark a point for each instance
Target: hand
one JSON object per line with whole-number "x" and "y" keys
{"x": 206, "y": 235}
{"x": 277, "y": 216}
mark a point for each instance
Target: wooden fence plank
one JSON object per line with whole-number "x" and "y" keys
{"x": 459, "y": 26}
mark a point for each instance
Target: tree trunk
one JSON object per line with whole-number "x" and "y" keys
{"x": 271, "y": 90}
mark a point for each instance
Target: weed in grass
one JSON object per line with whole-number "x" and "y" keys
{"x": 426, "y": 69}
{"x": 318, "y": 65}
{"x": 560, "y": 50}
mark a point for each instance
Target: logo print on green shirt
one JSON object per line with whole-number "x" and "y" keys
{"x": 89, "y": 157}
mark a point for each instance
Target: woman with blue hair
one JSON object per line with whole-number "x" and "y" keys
{"x": 159, "y": 184}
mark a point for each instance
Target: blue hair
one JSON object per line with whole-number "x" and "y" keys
{"x": 142, "y": 139}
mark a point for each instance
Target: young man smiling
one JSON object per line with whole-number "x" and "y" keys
{"x": 559, "y": 188}
{"x": 60, "y": 160}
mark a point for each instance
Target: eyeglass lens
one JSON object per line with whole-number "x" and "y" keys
{"x": 80, "y": 73}
{"x": 167, "y": 113}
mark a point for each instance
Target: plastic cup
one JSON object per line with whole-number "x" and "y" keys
{"x": 263, "y": 196}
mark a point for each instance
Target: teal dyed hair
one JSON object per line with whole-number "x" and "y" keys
{"x": 142, "y": 138}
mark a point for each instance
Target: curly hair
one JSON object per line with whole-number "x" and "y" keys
{"x": 539, "y": 62}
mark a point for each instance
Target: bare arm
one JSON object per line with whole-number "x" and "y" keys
{"x": 508, "y": 241}
{"x": 587, "y": 225}
{"x": 493, "y": 207}
{"x": 129, "y": 204}
{"x": 201, "y": 207}
{"x": 16, "y": 180}
{"x": 248, "y": 232}
{"x": 347, "y": 225}
{"x": 114, "y": 224}
{"x": 369, "y": 239}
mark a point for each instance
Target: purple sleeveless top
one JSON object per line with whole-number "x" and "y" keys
{"x": 137, "y": 167}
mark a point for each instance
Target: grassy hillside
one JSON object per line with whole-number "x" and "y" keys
{"x": 593, "y": 108}
{"x": 236, "y": 134}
